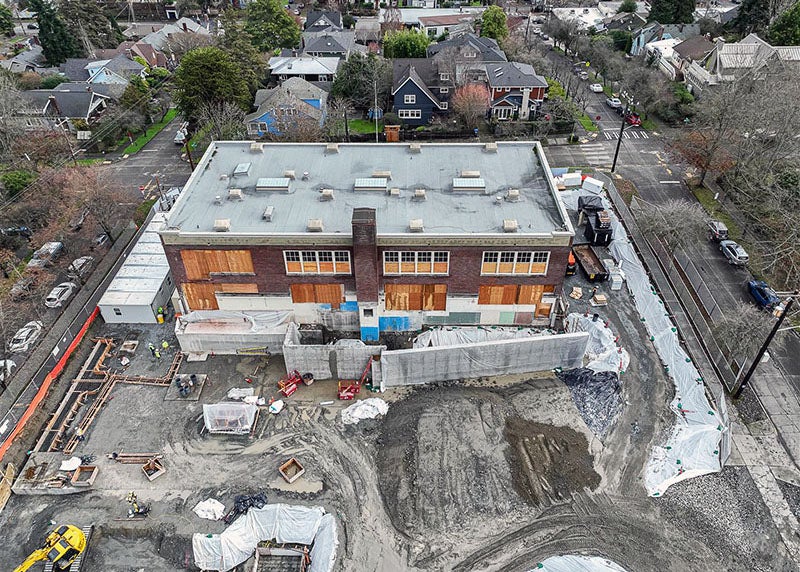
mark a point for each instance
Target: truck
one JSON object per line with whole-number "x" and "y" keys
{"x": 590, "y": 263}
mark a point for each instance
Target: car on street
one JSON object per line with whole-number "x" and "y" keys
{"x": 100, "y": 240}
{"x": 717, "y": 231}
{"x": 6, "y": 367}
{"x": 46, "y": 254}
{"x": 60, "y": 294}
{"x": 583, "y": 75}
{"x": 16, "y": 231}
{"x": 25, "y": 337}
{"x": 735, "y": 254}
{"x": 32, "y": 27}
{"x": 80, "y": 267}
{"x": 545, "y": 37}
{"x": 596, "y": 87}
{"x": 633, "y": 119}
{"x": 614, "y": 103}
{"x": 764, "y": 296}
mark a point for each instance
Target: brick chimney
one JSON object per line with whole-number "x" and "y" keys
{"x": 365, "y": 254}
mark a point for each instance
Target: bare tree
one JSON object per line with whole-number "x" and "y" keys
{"x": 12, "y": 126}
{"x": 340, "y": 111}
{"x": 675, "y": 221}
{"x": 392, "y": 20}
{"x": 225, "y": 121}
{"x": 183, "y": 42}
{"x": 470, "y": 103}
{"x": 743, "y": 329}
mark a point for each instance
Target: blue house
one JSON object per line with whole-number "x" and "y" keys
{"x": 419, "y": 91}
{"x": 283, "y": 107}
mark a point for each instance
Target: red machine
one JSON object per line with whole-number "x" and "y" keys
{"x": 289, "y": 383}
{"x": 348, "y": 388}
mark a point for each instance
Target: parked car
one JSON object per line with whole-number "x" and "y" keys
{"x": 735, "y": 254}
{"x": 633, "y": 119}
{"x": 46, "y": 254}
{"x": 80, "y": 267}
{"x": 583, "y": 75}
{"x": 32, "y": 27}
{"x": 614, "y": 102}
{"x": 100, "y": 240}
{"x": 21, "y": 288}
{"x": 717, "y": 231}
{"x": 6, "y": 367}
{"x": 25, "y": 337}
{"x": 77, "y": 223}
{"x": 764, "y": 296}
{"x": 16, "y": 231}
{"x": 182, "y": 133}
{"x": 545, "y": 37}
{"x": 596, "y": 87}
{"x": 60, "y": 294}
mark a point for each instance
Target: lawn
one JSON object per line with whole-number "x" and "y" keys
{"x": 363, "y": 126}
{"x": 149, "y": 133}
{"x": 587, "y": 123}
{"x": 705, "y": 197}
{"x": 649, "y": 125}
{"x": 88, "y": 162}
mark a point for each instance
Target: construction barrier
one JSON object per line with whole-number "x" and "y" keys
{"x": 48, "y": 380}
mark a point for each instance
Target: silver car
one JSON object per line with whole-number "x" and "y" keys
{"x": 735, "y": 254}
{"x": 60, "y": 294}
{"x": 80, "y": 267}
{"x": 25, "y": 337}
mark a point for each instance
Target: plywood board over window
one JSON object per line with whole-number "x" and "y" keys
{"x": 411, "y": 297}
{"x": 202, "y": 296}
{"x": 201, "y": 264}
{"x": 528, "y": 294}
{"x": 332, "y": 294}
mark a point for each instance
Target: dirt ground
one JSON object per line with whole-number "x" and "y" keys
{"x": 491, "y": 474}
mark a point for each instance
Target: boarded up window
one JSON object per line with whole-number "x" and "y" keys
{"x": 237, "y": 288}
{"x": 530, "y": 294}
{"x": 410, "y": 297}
{"x": 200, "y": 264}
{"x": 200, "y": 296}
{"x": 332, "y": 294}
{"x": 506, "y": 294}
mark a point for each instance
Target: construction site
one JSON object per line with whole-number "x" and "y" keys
{"x": 465, "y": 448}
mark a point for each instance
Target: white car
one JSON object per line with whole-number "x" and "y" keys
{"x": 25, "y": 337}
{"x": 6, "y": 367}
{"x": 80, "y": 267}
{"x": 60, "y": 294}
{"x": 596, "y": 87}
{"x": 613, "y": 102}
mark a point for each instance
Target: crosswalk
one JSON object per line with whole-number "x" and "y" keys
{"x": 596, "y": 154}
{"x": 613, "y": 135}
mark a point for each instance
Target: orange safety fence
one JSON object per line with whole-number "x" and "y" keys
{"x": 48, "y": 380}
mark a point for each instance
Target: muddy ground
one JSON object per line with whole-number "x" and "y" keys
{"x": 492, "y": 474}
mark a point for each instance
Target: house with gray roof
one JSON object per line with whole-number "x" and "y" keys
{"x": 279, "y": 108}
{"x": 68, "y": 101}
{"x": 331, "y": 43}
{"x": 516, "y": 90}
{"x": 419, "y": 90}
{"x": 307, "y": 67}
{"x": 323, "y": 21}
{"x": 467, "y": 56}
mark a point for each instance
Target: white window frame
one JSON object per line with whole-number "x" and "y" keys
{"x": 337, "y": 257}
{"x": 409, "y": 113}
{"x": 502, "y": 256}
{"x": 409, "y": 99}
{"x": 443, "y": 105}
{"x": 444, "y": 90}
{"x": 414, "y": 256}
{"x": 444, "y": 77}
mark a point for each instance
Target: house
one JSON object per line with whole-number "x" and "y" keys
{"x": 584, "y": 18}
{"x": 720, "y": 11}
{"x": 117, "y": 70}
{"x": 660, "y": 54}
{"x": 435, "y": 26}
{"x": 419, "y": 90}
{"x": 294, "y": 99}
{"x": 368, "y": 31}
{"x": 688, "y": 51}
{"x": 307, "y": 67}
{"x": 68, "y": 101}
{"x": 394, "y": 237}
{"x": 643, "y": 36}
{"x": 467, "y": 56}
{"x": 410, "y": 17}
{"x": 625, "y": 22}
{"x": 515, "y": 90}
{"x": 609, "y": 9}
{"x": 728, "y": 62}
{"x": 336, "y": 44}
{"x": 161, "y": 38}
{"x": 323, "y": 21}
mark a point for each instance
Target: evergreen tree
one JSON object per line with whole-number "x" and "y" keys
{"x": 785, "y": 31}
{"x": 627, "y": 6}
{"x": 6, "y": 21}
{"x": 672, "y": 11}
{"x": 208, "y": 76}
{"x": 405, "y": 44}
{"x": 493, "y": 23}
{"x": 57, "y": 43}
{"x": 753, "y": 17}
{"x": 238, "y": 43}
{"x": 86, "y": 21}
{"x": 271, "y": 26}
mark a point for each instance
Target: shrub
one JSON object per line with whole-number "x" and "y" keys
{"x": 15, "y": 181}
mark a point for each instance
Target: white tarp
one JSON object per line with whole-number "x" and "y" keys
{"x": 578, "y": 563}
{"x": 452, "y": 335}
{"x": 603, "y": 352}
{"x": 259, "y": 321}
{"x": 229, "y": 417}
{"x": 693, "y": 447}
{"x": 211, "y": 509}
{"x": 364, "y": 409}
{"x": 277, "y": 522}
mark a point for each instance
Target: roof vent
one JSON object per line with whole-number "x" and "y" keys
{"x": 470, "y": 174}
{"x": 256, "y": 147}
{"x": 419, "y": 194}
{"x": 415, "y": 225}
{"x": 512, "y": 195}
{"x": 510, "y": 225}
{"x": 235, "y": 195}
{"x": 289, "y": 175}
{"x": 469, "y": 184}
{"x": 394, "y": 192}
{"x": 326, "y": 195}
{"x": 415, "y": 148}
{"x": 222, "y": 225}
{"x": 218, "y": 200}
{"x": 371, "y": 184}
{"x": 223, "y": 177}
{"x": 490, "y": 147}
{"x": 332, "y": 148}
{"x": 273, "y": 184}
{"x": 242, "y": 170}
{"x": 268, "y": 212}
{"x": 382, "y": 175}
{"x": 314, "y": 225}
{"x": 305, "y": 176}
{"x": 498, "y": 200}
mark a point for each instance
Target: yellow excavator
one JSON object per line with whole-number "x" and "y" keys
{"x": 61, "y": 548}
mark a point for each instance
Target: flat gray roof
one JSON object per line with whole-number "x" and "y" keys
{"x": 433, "y": 167}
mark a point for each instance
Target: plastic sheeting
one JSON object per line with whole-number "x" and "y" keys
{"x": 364, "y": 409}
{"x": 453, "y": 336}
{"x": 230, "y": 417}
{"x": 603, "y": 352}
{"x": 210, "y": 509}
{"x": 277, "y": 522}
{"x": 259, "y": 321}
{"x": 578, "y": 563}
{"x": 348, "y": 357}
{"x": 692, "y": 449}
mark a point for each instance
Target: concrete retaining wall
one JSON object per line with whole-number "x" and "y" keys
{"x": 426, "y": 365}
{"x": 326, "y": 361}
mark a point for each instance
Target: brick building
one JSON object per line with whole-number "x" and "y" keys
{"x": 380, "y": 237}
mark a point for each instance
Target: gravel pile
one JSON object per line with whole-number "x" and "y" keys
{"x": 792, "y": 495}
{"x": 596, "y": 395}
{"x": 748, "y": 407}
{"x": 728, "y": 512}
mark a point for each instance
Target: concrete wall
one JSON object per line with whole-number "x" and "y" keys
{"x": 226, "y": 343}
{"x": 326, "y": 361}
{"x": 426, "y": 365}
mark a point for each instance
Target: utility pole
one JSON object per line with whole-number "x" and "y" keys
{"x": 69, "y": 144}
{"x": 375, "y": 109}
{"x": 619, "y": 139}
{"x": 737, "y": 390}
{"x": 189, "y": 154}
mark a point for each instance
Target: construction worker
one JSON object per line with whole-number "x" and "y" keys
{"x": 164, "y": 345}
{"x": 152, "y": 349}
{"x": 157, "y": 354}
{"x": 161, "y": 310}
